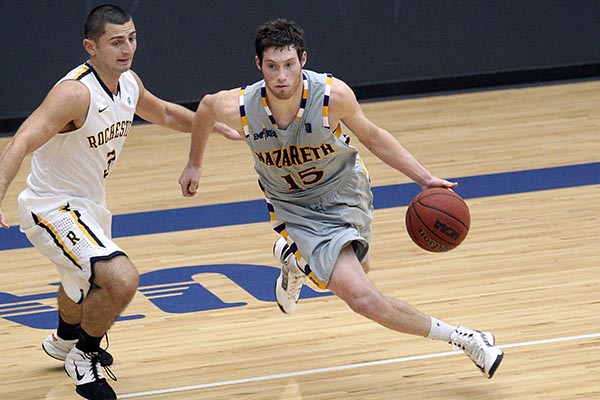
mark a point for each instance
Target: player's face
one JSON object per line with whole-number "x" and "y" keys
{"x": 282, "y": 71}
{"x": 115, "y": 49}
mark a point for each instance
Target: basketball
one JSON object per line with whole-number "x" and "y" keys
{"x": 438, "y": 220}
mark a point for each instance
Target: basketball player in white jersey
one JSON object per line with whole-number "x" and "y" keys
{"x": 77, "y": 134}
{"x": 316, "y": 186}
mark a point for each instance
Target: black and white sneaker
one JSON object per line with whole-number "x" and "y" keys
{"x": 86, "y": 372}
{"x": 58, "y": 348}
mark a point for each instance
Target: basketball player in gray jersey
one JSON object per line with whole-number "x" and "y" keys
{"x": 316, "y": 186}
{"x": 77, "y": 134}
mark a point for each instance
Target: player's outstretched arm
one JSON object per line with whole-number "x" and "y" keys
{"x": 384, "y": 145}
{"x": 171, "y": 115}
{"x": 63, "y": 109}
{"x": 221, "y": 110}
{"x": 202, "y": 124}
{"x": 227, "y": 132}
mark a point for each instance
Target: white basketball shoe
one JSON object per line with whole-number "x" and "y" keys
{"x": 290, "y": 280}
{"x": 479, "y": 346}
{"x": 58, "y": 348}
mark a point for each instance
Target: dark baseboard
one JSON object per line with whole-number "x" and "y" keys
{"x": 426, "y": 87}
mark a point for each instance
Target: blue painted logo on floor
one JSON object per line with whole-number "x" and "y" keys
{"x": 172, "y": 290}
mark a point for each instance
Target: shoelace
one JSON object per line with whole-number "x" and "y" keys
{"x": 102, "y": 350}
{"x": 476, "y": 352}
{"x": 94, "y": 368}
{"x": 472, "y": 347}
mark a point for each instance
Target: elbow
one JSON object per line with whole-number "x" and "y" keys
{"x": 369, "y": 141}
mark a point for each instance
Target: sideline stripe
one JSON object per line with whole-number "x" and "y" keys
{"x": 253, "y": 211}
{"x": 345, "y": 367}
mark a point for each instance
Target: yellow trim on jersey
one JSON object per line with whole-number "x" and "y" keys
{"x": 365, "y": 170}
{"x": 83, "y": 70}
{"x": 58, "y": 240}
{"x": 84, "y": 229}
{"x": 316, "y": 281}
{"x": 326, "y": 99}
{"x": 243, "y": 112}
{"x": 338, "y": 131}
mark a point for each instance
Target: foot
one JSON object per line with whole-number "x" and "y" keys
{"x": 86, "y": 372}
{"x": 290, "y": 280}
{"x": 58, "y": 348}
{"x": 479, "y": 346}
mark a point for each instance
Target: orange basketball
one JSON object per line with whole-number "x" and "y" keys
{"x": 438, "y": 220}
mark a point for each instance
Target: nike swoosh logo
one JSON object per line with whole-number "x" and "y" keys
{"x": 102, "y": 109}
{"x": 79, "y": 377}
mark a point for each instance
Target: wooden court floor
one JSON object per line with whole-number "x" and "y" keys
{"x": 528, "y": 270}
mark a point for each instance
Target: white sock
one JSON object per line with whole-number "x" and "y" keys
{"x": 440, "y": 330}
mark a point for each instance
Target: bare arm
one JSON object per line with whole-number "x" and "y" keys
{"x": 384, "y": 145}
{"x": 171, "y": 115}
{"x": 10, "y": 163}
{"x": 220, "y": 108}
{"x": 162, "y": 112}
{"x": 64, "y": 108}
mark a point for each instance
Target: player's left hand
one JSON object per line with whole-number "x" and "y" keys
{"x": 189, "y": 180}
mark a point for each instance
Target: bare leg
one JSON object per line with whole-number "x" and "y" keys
{"x": 69, "y": 311}
{"x": 399, "y": 304}
{"x": 366, "y": 267}
{"x": 116, "y": 282}
{"x": 350, "y": 283}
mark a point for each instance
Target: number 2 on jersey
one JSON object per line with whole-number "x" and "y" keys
{"x": 111, "y": 156}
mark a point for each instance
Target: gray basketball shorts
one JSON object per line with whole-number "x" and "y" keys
{"x": 317, "y": 231}
{"x": 73, "y": 236}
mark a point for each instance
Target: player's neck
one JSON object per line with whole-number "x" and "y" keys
{"x": 109, "y": 78}
{"x": 285, "y": 110}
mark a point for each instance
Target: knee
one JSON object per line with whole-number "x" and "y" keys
{"x": 127, "y": 282}
{"x": 123, "y": 288}
{"x": 118, "y": 276}
{"x": 364, "y": 304}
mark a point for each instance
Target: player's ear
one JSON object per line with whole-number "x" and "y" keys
{"x": 303, "y": 59}
{"x": 89, "y": 46}
{"x": 257, "y": 62}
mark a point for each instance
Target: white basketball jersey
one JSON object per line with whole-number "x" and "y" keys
{"x": 76, "y": 164}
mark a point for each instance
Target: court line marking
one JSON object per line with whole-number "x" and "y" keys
{"x": 344, "y": 367}
{"x": 387, "y": 196}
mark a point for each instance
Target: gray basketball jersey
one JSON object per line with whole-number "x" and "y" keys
{"x": 306, "y": 160}
{"x": 316, "y": 186}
